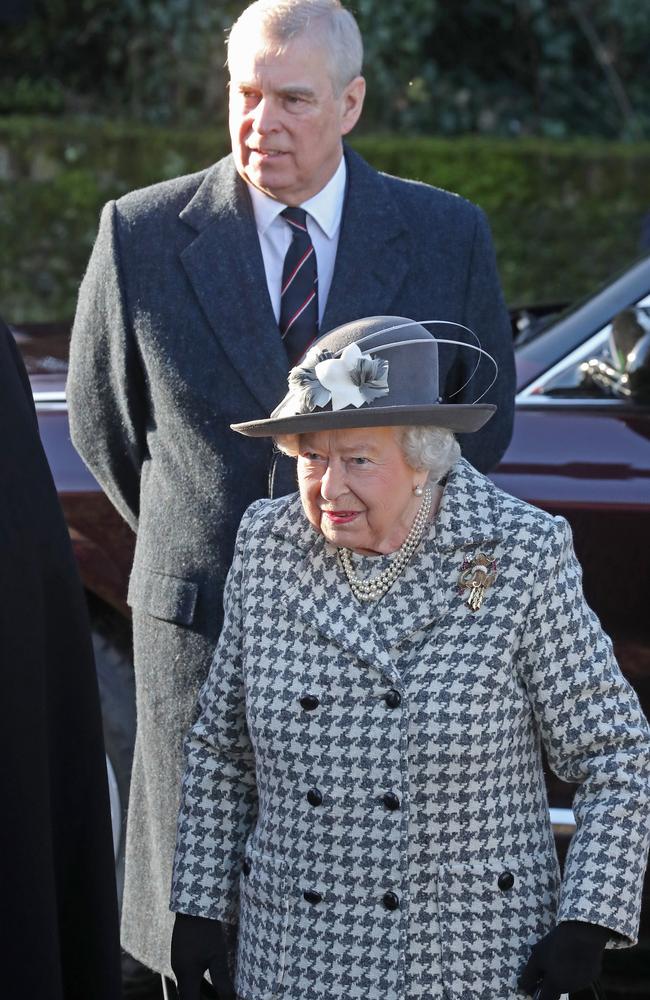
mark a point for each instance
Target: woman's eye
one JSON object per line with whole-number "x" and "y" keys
{"x": 359, "y": 460}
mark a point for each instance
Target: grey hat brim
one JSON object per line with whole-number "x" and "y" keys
{"x": 455, "y": 417}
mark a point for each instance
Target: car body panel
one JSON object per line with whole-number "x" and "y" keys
{"x": 592, "y": 458}
{"x": 103, "y": 543}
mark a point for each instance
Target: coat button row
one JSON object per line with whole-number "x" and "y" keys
{"x": 391, "y": 801}
{"x": 314, "y": 797}
{"x": 310, "y": 702}
{"x": 246, "y": 866}
{"x": 505, "y": 881}
{"x": 390, "y": 899}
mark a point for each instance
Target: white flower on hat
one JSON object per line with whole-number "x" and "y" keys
{"x": 354, "y": 378}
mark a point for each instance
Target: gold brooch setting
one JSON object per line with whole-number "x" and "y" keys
{"x": 476, "y": 575}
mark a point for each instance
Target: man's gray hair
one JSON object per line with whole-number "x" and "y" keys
{"x": 326, "y": 21}
{"x": 434, "y": 449}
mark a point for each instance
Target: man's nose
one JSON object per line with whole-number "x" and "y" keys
{"x": 332, "y": 484}
{"x": 264, "y": 117}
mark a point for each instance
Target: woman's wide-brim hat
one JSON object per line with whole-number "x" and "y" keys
{"x": 375, "y": 372}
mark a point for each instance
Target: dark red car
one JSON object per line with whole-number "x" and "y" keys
{"x": 581, "y": 448}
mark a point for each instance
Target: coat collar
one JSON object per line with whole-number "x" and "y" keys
{"x": 225, "y": 267}
{"x": 374, "y": 252}
{"x": 467, "y": 516}
{"x": 466, "y": 523}
{"x": 318, "y": 593}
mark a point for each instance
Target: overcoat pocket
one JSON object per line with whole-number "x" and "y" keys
{"x": 263, "y": 915}
{"x": 491, "y": 914}
{"x": 169, "y": 598}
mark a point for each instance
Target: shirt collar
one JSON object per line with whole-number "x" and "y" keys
{"x": 325, "y": 207}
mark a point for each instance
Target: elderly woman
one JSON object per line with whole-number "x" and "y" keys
{"x": 364, "y": 793}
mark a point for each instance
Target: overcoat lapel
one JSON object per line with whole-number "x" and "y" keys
{"x": 225, "y": 267}
{"x": 372, "y": 262}
{"x": 374, "y": 251}
{"x": 318, "y": 594}
{"x": 428, "y": 591}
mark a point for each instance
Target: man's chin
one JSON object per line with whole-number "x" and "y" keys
{"x": 268, "y": 177}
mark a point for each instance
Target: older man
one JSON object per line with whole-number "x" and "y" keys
{"x": 200, "y": 293}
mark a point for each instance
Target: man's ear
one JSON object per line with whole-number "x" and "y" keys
{"x": 352, "y": 101}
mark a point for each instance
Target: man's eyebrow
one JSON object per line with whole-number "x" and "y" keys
{"x": 296, "y": 91}
{"x": 290, "y": 91}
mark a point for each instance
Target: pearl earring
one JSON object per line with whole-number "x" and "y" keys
{"x": 418, "y": 491}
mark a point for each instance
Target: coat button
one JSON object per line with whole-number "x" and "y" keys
{"x": 246, "y": 866}
{"x": 312, "y": 896}
{"x": 393, "y": 698}
{"x": 314, "y": 797}
{"x": 506, "y": 881}
{"x": 391, "y": 801}
{"x": 391, "y": 900}
{"x": 309, "y": 702}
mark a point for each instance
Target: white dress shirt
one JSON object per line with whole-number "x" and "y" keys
{"x": 324, "y": 213}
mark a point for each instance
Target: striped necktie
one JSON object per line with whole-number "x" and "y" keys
{"x": 299, "y": 293}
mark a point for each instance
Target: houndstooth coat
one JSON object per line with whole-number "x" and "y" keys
{"x": 364, "y": 791}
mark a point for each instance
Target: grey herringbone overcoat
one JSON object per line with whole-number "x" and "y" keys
{"x": 174, "y": 340}
{"x": 364, "y": 789}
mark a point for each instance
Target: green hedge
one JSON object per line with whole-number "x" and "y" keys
{"x": 565, "y": 215}
{"x": 548, "y": 68}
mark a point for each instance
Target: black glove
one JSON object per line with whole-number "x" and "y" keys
{"x": 199, "y": 943}
{"x": 566, "y": 960}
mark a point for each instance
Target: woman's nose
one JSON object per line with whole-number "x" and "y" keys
{"x": 332, "y": 484}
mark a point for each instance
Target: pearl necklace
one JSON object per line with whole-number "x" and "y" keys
{"x": 373, "y": 590}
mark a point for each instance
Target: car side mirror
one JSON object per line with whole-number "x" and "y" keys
{"x": 637, "y": 370}
{"x": 624, "y": 369}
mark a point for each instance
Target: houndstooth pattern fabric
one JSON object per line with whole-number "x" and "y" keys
{"x": 441, "y": 890}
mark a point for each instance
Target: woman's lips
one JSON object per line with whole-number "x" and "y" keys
{"x": 341, "y": 516}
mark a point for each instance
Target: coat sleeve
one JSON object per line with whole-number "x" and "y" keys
{"x": 106, "y": 388}
{"x": 486, "y": 314}
{"x": 595, "y": 734}
{"x": 219, "y": 794}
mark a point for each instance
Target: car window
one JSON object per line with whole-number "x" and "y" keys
{"x": 551, "y": 343}
{"x": 613, "y": 364}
